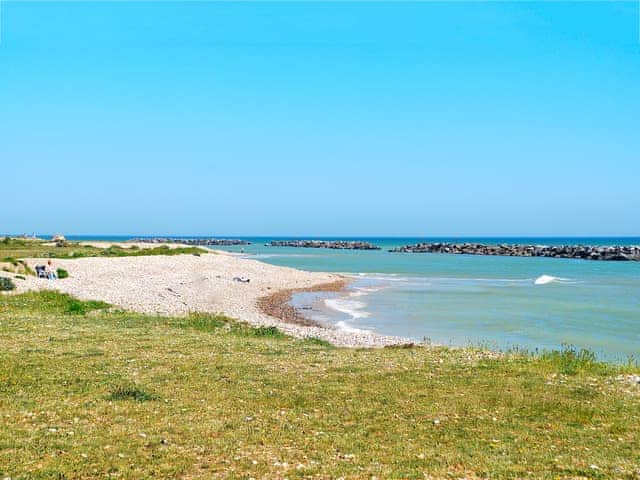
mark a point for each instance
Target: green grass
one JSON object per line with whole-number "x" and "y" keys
{"x": 130, "y": 392}
{"x": 14, "y": 265}
{"x": 99, "y": 393}
{"x": 6, "y": 284}
{"x": 571, "y": 360}
{"x": 314, "y": 341}
{"x": 62, "y": 273}
{"x": 14, "y": 248}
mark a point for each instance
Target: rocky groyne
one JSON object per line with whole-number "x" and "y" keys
{"x": 336, "y": 245}
{"x": 612, "y": 253}
{"x": 218, "y": 242}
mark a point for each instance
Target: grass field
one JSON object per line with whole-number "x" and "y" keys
{"x": 89, "y": 392}
{"x": 15, "y": 248}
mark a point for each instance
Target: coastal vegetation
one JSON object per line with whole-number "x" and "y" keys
{"x": 13, "y": 265}
{"x": 6, "y": 284}
{"x": 87, "y": 390}
{"x": 19, "y": 248}
{"x": 62, "y": 273}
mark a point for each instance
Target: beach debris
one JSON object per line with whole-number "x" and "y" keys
{"x": 241, "y": 279}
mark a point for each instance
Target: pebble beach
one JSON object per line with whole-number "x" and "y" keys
{"x": 180, "y": 284}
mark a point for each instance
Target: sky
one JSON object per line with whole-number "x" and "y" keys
{"x": 320, "y": 119}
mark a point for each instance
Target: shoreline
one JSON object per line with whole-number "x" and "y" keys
{"x": 278, "y": 304}
{"x": 181, "y": 284}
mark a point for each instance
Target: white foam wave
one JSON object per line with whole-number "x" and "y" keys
{"x": 362, "y": 291}
{"x": 546, "y": 279}
{"x": 344, "y": 326}
{"x": 388, "y": 278}
{"x": 475, "y": 280}
{"x": 353, "y": 308}
{"x": 277, "y": 255}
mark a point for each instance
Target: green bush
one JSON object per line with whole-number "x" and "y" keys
{"x": 206, "y": 322}
{"x": 6, "y": 284}
{"x": 52, "y": 302}
{"x": 79, "y": 307}
{"x": 130, "y": 392}
{"x": 62, "y": 273}
{"x": 315, "y": 341}
{"x": 571, "y": 360}
{"x": 245, "y": 330}
{"x": 10, "y": 260}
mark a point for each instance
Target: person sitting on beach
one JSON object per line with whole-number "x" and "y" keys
{"x": 52, "y": 274}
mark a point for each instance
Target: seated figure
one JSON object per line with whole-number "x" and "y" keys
{"x": 51, "y": 272}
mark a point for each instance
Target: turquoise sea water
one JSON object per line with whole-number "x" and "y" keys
{"x": 460, "y": 300}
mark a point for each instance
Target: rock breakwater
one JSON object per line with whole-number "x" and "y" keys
{"x": 194, "y": 241}
{"x": 337, "y": 245}
{"x": 584, "y": 252}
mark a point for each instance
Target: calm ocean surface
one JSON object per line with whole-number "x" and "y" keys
{"x": 461, "y": 300}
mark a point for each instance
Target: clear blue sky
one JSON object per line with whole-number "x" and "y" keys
{"x": 301, "y": 118}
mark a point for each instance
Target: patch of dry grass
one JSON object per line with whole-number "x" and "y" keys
{"x": 15, "y": 248}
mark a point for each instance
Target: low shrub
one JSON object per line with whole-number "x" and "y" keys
{"x": 79, "y": 307}
{"x": 401, "y": 346}
{"x": 571, "y": 360}
{"x": 245, "y": 330}
{"x": 206, "y": 322}
{"x": 271, "y": 332}
{"x": 6, "y": 284}
{"x": 10, "y": 260}
{"x": 130, "y": 392}
{"x": 315, "y": 341}
{"x": 62, "y": 273}
{"x": 16, "y": 266}
{"x": 51, "y": 301}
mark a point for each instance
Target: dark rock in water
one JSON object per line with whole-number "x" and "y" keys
{"x": 611, "y": 253}
{"x": 219, "y": 242}
{"x": 337, "y": 245}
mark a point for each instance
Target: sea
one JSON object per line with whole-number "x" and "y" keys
{"x": 463, "y": 300}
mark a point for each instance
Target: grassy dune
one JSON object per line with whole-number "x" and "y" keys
{"x": 89, "y": 392}
{"x": 15, "y": 248}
